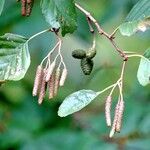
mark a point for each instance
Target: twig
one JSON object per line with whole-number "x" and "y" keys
{"x": 102, "y": 32}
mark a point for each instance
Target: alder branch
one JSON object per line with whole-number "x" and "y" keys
{"x": 102, "y": 32}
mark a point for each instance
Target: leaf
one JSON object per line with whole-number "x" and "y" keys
{"x": 14, "y": 57}
{"x": 2, "y": 2}
{"x": 137, "y": 20}
{"x": 143, "y": 73}
{"x": 60, "y": 13}
{"x": 76, "y": 102}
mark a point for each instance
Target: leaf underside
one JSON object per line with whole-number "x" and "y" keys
{"x": 14, "y": 57}
{"x": 76, "y": 102}
{"x": 137, "y": 20}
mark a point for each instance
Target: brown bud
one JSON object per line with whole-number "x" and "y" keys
{"x": 42, "y": 88}
{"x": 37, "y": 81}
{"x": 50, "y": 71}
{"x": 120, "y": 115}
{"x": 63, "y": 77}
{"x": 57, "y": 80}
{"x": 107, "y": 110}
{"x": 23, "y": 7}
{"x": 51, "y": 86}
{"x": 113, "y": 129}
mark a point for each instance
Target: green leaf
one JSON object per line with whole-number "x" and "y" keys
{"x": 137, "y": 20}
{"x": 76, "y": 102}
{"x": 14, "y": 57}
{"x": 143, "y": 73}
{"x": 60, "y": 13}
{"x": 1, "y": 5}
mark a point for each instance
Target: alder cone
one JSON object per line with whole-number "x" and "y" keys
{"x": 79, "y": 54}
{"x": 91, "y": 53}
{"x": 86, "y": 66}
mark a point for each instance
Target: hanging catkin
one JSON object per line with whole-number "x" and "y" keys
{"x": 51, "y": 86}
{"x": 63, "y": 77}
{"x": 107, "y": 110}
{"x": 23, "y": 7}
{"x": 29, "y": 7}
{"x": 50, "y": 71}
{"x": 120, "y": 115}
{"x": 42, "y": 88}
{"x": 37, "y": 81}
{"x": 113, "y": 129}
{"x": 57, "y": 80}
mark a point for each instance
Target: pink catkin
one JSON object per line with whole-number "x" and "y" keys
{"x": 23, "y": 7}
{"x": 42, "y": 88}
{"x": 51, "y": 86}
{"x": 57, "y": 80}
{"x": 113, "y": 129}
{"x": 37, "y": 81}
{"x": 63, "y": 77}
{"x": 29, "y": 7}
{"x": 107, "y": 110}
{"x": 120, "y": 115}
{"x": 50, "y": 71}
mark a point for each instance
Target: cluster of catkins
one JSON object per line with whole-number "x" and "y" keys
{"x": 86, "y": 59}
{"x": 51, "y": 78}
{"x": 119, "y": 109}
{"x": 26, "y": 7}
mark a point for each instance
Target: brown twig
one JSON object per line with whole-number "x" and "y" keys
{"x": 102, "y": 32}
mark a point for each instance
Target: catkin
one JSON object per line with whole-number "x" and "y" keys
{"x": 63, "y": 77}
{"x": 23, "y": 7}
{"x": 107, "y": 110}
{"x": 113, "y": 129}
{"x": 120, "y": 115}
{"x": 51, "y": 86}
{"x": 57, "y": 80}
{"x": 37, "y": 81}
{"x": 50, "y": 71}
{"x": 29, "y": 7}
{"x": 42, "y": 88}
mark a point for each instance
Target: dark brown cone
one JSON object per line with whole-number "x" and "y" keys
{"x": 42, "y": 88}
{"x": 57, "y": 80}
{"x": 51, "y": 86}
{"x": 37, "y": 81}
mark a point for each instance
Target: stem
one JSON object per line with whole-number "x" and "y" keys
{"x": 102, "y": 32}
{"x": 107, "y": 88}
{"x": 37, "y": 34}
{"x": 138, "y": 55}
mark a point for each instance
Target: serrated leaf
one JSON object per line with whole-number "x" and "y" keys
{"x": 137, "y": 20}
{"x": 14, "y": 57}
{"x": 76, "y": 102}
{"x": 1, "y": 5}
{"x": 143, "y": 73}
{"x": 60, "y": 13}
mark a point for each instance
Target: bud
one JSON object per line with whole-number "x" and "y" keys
{"x": 51, "y": 86}
{"x": 113, "y": 129}
{"x": 42, "y": 88}
{"x": 57, "y": 79}
{"x": 37, "y": 81}
{"x": 50, "y": 71}
{"x": 79, "y": 54}
{"x": 63, "y": 77}
{"x": 91, "y": 53}
{"x": 86, "y": 66}
{"x": 107, "y": 110}
{"x": 120, "y": 115}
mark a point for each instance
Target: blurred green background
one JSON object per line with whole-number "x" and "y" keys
{"x": 24, "y": 125}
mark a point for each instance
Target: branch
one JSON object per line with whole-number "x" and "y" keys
{"x": 102, "y": 32}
